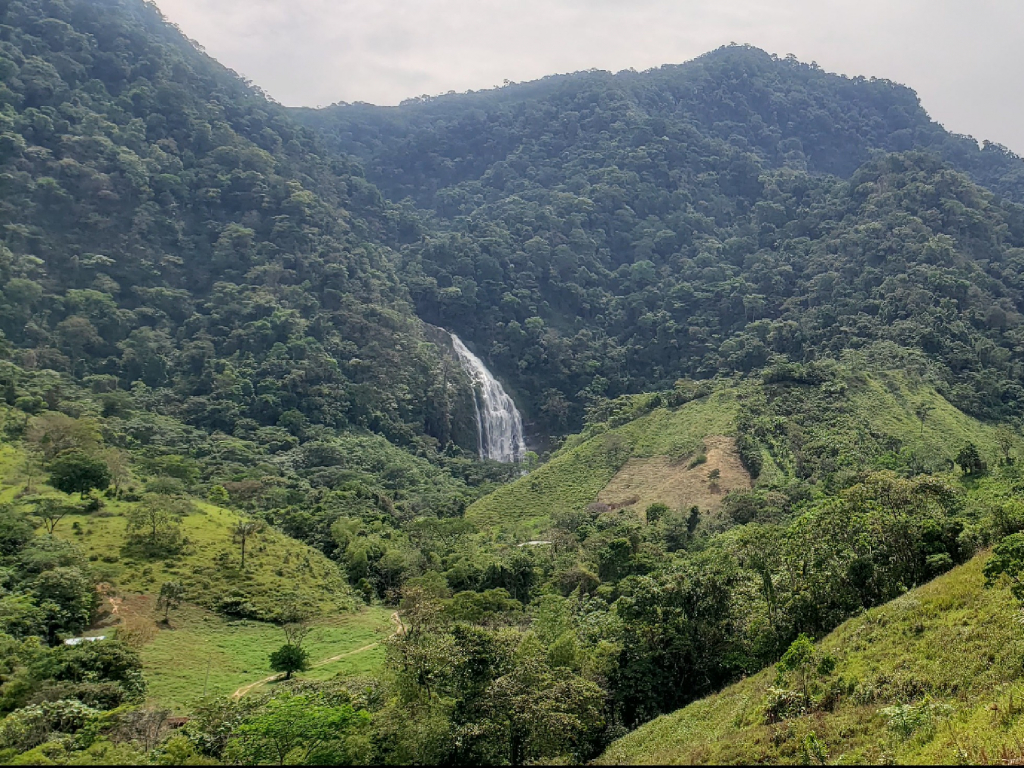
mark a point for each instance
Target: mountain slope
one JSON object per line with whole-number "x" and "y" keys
{"x": 817, "y": 425}
{"x": 596, "y": 235}
{"x": 933, "y": 678}
{"x": 167, "y": 224}
{"x": 787, "y": 113}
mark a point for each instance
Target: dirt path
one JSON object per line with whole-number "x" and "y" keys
{"x": 399, "y": 630}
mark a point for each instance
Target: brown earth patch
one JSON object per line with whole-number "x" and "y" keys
{"x": 133, "y": 617}
{"x": 642, "y": 482}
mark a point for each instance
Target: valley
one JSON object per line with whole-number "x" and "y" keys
{"x": 664, "y": 417}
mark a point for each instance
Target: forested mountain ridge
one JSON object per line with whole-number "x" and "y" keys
{"x": 785, "y": 112}
{"x": 597, "y": 235}
{"x": 166, "y": 224}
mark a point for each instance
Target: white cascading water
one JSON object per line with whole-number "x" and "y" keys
{"x": 498, "y": 423}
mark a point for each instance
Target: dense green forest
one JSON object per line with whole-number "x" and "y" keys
{"x": 615, "y": 232}
{"x": 166, "y": 226}
{"x": 767, "y": 320}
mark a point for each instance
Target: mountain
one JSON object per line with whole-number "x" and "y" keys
{"x": 168, "y": 226}
{"x": 597, "y": 235}
{"x": 769, "y": 318}
{"x": 786, "y": 113}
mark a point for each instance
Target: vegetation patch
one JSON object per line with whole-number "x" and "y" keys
{"x": 932, "y": 677}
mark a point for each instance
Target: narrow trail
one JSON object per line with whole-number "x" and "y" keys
{"x": 399, "y": 631}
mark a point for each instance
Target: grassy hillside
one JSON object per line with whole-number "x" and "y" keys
{"x": 278, "y": 570}
{"x": 849, "y": 422}
{"x": 932, "y": 677}
{"x": 851, "y": 417}
{"x": 575, "y": 477}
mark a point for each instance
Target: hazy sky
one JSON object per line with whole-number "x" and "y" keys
{"x": 964, "y": 57}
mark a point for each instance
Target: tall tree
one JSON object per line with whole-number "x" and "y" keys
{"x": 242, "y": 532}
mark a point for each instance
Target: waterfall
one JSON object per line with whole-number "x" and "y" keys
{"x": 498, "y": 423}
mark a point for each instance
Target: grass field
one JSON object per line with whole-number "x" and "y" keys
{"x": 176, "y": 657}
{"x": 949, "y": 653}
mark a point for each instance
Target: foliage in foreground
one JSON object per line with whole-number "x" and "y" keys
{"x": 932, "y": 677}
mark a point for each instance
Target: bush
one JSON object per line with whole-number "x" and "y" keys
{"x": 750, "y": 455}
{"x": 31, "y": 726}
{"x": 655, "y": 512}
{"x": 32, "y": 404}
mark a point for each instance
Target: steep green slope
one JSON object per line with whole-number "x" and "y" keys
{"x": 824, "y": 424}
{"x": 167, "y": 224}
{"x": 933, "y": 677}
{"x": 280, "y": 573}
{"x": 575, "y": 476}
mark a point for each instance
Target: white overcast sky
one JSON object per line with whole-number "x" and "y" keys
{"x": 964, "y": 57}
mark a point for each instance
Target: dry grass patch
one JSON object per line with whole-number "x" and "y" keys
{"x": 679, "y": 483}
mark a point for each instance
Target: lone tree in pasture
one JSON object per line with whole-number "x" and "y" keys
{"x": 78, "y": 472}
{"x": 244, "y": 530}
{"x": 156, "y": 523}
{"x": 288, "y": 659}
{"x": 171, "y": 595}
{"x": 51, "y": 511}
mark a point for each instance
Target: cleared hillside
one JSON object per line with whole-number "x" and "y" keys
{"x": 794, "y": 426}
{"x": 575, "y": 477}
{"x": 933, "y": 677}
